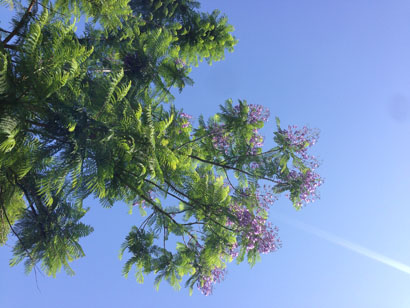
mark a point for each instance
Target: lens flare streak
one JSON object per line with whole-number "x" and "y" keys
{"x": 347, "y": 244}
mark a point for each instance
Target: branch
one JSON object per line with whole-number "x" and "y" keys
{"x": 192, "y": 141}
{"x": 21, "y": 241}
{"x": 157, "y": 208}
{"x": 2, "y": 30}
{"x": 203, "y": 205}
{"x": 232, "y": 168}
{"x": 16, "y": 182}
{"x": 230, "y": 183}
{"x": 144, "y": 223}
{"x": 164, "y": 238}
{"x": 53, "y": 11}
{"x": 167, "y": 192}
{"x": 30, "y": 202}
{"x": 197, "y": 139}
{"x": 15, "y": 233}
{"x": 12, "y": 47}
{"x": 20, "y": 24}
{"x": 193, "y": 223}
{"x": 251, "y": 155}
{"x": 178, "y": 198}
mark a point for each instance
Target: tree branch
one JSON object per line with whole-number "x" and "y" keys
{"x": 12, "y": 47}
{"x": 230, "y": 183}
{"x": 205, "y": 209}
{"x": 2, "y": 30}
{"x": 20, "y": 240}
{"x": 30, "y": 202}
{"x": 180, "y": 199}
{"x": 20, "y": 24}
{"x": 157, "y": 208}
{"x": 192, "y": 141}
{"x": 231, "y": 168}
{"x": 251, "y": 155}
{"x": 144, "y": 223}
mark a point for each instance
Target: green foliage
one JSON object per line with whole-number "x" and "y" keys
{"x": 50, "y": 236}
{"x": 91, "y": 114}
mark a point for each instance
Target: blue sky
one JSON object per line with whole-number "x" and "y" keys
{"x": 340, "y": 66}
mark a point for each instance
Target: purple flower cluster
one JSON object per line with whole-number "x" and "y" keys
{"x": 206, "y": 283}
{"x": 301, "y": 140}
{"x": 310, "y": 181}
{"x": 255, "y": 142}
{"x": 256, "y": 113}
{"x": 186, "y": 119}
{"x": 220, "y": 138}
{"x": 256, "y": 232}
{"x": 265, "y": 197}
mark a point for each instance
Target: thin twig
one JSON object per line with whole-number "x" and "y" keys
{"x": 228, "y": 159}
{"x": 156, "y": 207}
{"x": 230, "y": 183}
{"x": 164, "y": 237}
{"x": 232, "y": 168}
{"x": 12, "y": 47}
{"x": 191, "y": 205}
{"x": 192, "y": 141}
{"x": 21, "y": 242}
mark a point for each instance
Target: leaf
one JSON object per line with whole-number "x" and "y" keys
{"x": 283, "y": 162}
{"x": 139, "y": 276}
{"x": 71, "y": 126}
{"x": 142, "y": 211}
{"x": 3, "y": 74}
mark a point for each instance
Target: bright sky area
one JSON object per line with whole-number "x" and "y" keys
{"x": 340, "y": 66}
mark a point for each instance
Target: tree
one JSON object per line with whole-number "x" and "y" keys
{"x": 92, "y": 114}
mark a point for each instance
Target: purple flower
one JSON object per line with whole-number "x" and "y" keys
{"x": 256, "y": 232}
{"x": 309, "y": 183}
{"x": 221, "y": 139}
{"x": 301, "y": 140}
{"x": 257, "y": 113}
{"x": 186, "y": 119}
{"x": 206, "y": 283}
{"x": 256, "y": 142}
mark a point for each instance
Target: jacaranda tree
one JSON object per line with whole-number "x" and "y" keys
{"x": 92, "y": 114}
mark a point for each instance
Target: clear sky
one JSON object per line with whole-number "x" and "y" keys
{"x": 340, "y": 66}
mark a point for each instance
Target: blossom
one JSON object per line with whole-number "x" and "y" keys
{"x": 301, "y": 139}
{"x": 309, "y": 183}
{"x": 256, "y": 231}
{"x": 206, "y": 283}
{"x": 256, "y": 142}
{"x": 256, "y": 113}
{"x": 220, "y": 138}
{"x": 307, "y": 180}
{"x": 186, "y": 119}
{"x": 265, "y": 197}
